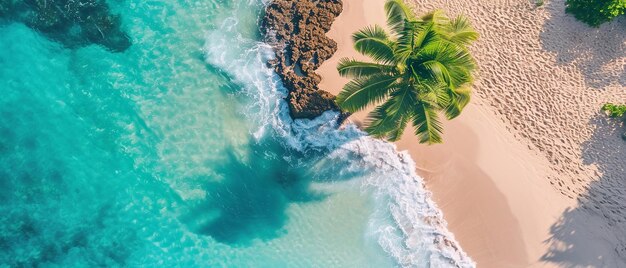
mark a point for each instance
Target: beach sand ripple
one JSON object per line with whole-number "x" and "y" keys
{"x": 532, "y": 174}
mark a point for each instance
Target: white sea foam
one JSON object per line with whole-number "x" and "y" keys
{"x": 406, "y": 222}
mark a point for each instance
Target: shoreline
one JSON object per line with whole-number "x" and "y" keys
{"x": 290, "y": 67}
{"x": 475, "y": 208}
{"x": 502, "y": 194}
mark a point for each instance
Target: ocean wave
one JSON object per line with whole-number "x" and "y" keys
{"x": 406, "y": 222}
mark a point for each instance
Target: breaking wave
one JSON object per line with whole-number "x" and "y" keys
{"x": 406, "y": 223}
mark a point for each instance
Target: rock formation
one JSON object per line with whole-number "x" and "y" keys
{"x": 297, "y": 31}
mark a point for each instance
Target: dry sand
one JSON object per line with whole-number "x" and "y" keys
{"x": 531, "y": 174}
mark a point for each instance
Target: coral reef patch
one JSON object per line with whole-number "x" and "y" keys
{"x": 73, "y": 23}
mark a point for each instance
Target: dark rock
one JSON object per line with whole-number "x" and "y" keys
{"x": 297, "y": 31}
{"x": 74, "y": 23}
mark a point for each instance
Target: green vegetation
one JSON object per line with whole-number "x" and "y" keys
{"x": 595, "y": 12}
{"x": 613, "y": 110}
{"x": 539, "y": 3}
{"x": 420, "y": 69}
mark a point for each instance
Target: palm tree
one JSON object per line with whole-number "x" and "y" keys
{"x": 420, "y": 69}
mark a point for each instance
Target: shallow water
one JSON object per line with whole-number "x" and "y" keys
{"x": 178, "y": 152}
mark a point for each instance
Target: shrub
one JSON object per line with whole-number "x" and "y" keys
{"x": 595, "y": 12}
{"x": 614, "y": 110}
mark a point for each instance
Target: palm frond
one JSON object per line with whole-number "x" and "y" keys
{"x": 460, "y": 31}
{"x": 448, "y": 62}
{"x": 402, "y": 100}
{"x": 437, "y": 70}
{"x": 374, "y": 42}
{"x": 401, "y": 123}
{"x": 435, "y": 94}
{"x": 438, "y": 17}
{"x": 400, "y": 108}
{"x": 460, "y": 76}
{"x": 428, "y": 128}
{"x": 459, "y": 98}
{"x": 427, "y": 34}
{"x": 390, "y": 119}
{"x": 361, "y": 92}
{"x": 355, "y": 69}
{"x": 397, "y": 14}
{"x": 406, "y": 42}
{"x": 444, "y": 99}
{"x": 380, "y": 123}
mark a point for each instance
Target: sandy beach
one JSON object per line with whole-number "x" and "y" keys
{"x": 531, "y": 174}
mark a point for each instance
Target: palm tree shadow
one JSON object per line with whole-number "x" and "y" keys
{"x": 594, "y": 233}
{"x": 250, "y": 199}
{"x": 590, "y": 49}
{"x": 248, "y": 195}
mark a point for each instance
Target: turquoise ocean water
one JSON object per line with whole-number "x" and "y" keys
{"x": 178, "y": 153}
